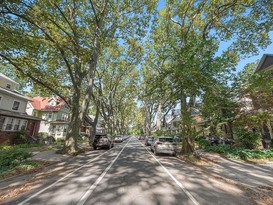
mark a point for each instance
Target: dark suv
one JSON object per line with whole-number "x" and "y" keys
{"x": 102, "y": 141}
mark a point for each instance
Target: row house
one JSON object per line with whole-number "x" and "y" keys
{"x": 55, "y": 114}
{"x": 13, "y": 116}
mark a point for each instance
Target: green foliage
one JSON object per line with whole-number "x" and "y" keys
{"x": 247, "y": 139}
{"x": 239, "y": 153}
{"x": 11, "y": 157}
{"x": 29, "y": 165}
{"x": 162, "y": 133}
{"x": 19, "y": 146}
{"x": 22, "y": 137}
{"x": 43, "y": 135}
{"x": 203, "y": 143}
{"x": 60, "y": 39}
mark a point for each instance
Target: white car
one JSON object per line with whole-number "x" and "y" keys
{"x": 164, "y": 145}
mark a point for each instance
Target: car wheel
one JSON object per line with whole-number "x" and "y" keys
{"x": 94, "y": 147}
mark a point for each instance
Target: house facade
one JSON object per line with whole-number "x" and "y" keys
{"x": 54, "y": 112}
{"x": 266, "y": 63}
{"x": 86, "y": 128}
{"x": 264, "y": 103}
{"x": 172, "y": 122}
{"x": 13, "y": 116}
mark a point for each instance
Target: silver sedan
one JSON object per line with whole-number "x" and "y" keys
{"x": 164, "y": 145}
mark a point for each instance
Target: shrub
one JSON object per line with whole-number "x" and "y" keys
{"x": 247, "y": 139}
{"x": 239, "y": 153}
{"x": 162, "y": 133}
{"x": 21, "y": 137}
{"x": 202, "y": 141}
{"x": 11, "y": 157}
{"x": 43, "y": 135}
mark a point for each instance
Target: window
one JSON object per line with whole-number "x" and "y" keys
{"x": 2, "y": 121}
{"x": 64, "y": 116}
{"x": 15, "y": 105}
{"x": 44, "y": 116}
{"x": 17, "y": 124}
{"x": 53, "y": 128}
{"x": 49, "y": 115}
{"x": 9, "y": 124}
{"x": 8, "y": 86}
{"x": 23, "y": 125}
{"x": 52, "y": 103}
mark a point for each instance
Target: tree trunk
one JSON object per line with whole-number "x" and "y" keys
{"x": 231, "y": 130}
{"x": 186, "y": 125}
{"x": 90, "y": 77}
{"x": 268, "y": 124}
{"x": 147, "y": 122}
{"x": 70, "y": 145}
{"x": 158, "y": 117}
{"x": 94, "y": 125}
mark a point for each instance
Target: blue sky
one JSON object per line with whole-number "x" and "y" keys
{"x": 268, "y": 50}
{"x": 245, "y": 61}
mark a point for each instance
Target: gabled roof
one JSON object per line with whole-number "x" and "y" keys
{"x": 14, "y": 94}
{"x": 266, "y": 63}
{"x": 7, "y": 78}
{"x": 42, "y": 103}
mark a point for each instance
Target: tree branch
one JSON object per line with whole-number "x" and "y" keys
{"x": 21, "y": 70}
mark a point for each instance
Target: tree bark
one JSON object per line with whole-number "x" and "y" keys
{"x": 70, "y": 145}
{"x": 186, "y": 125}
{"x": 268, "y": 124}
{"x": 158, "y": 117}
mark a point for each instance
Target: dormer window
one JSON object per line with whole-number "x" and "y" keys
{"x": 52, "y": 103}
{"x": 8, "y": 86}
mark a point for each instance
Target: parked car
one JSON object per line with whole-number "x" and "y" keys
{"x": 118, "y": 139}
{"x": 213, "y": 140}
{"x": 178, "y": 141}
{"x": 102, "y": 141}
{"x": 226, "y": 141}
{"x": 164, "y": 145}
{"x": 149, "y": 141}
{"x": 141, "y": 137}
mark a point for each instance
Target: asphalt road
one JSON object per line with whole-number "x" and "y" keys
{"x": 129, "y": 174}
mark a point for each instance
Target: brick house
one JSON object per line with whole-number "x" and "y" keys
{"x": 13, "y": 116}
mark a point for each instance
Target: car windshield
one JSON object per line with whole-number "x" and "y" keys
{"x": 177, "y": 139}
{"x": 165, "y": 139}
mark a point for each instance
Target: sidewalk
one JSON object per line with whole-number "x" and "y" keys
{"x": 257, "y": 178}
{"x": 245, "y": 173}
{"x": 49, "y": 155}
{"x": 57, "y": 164}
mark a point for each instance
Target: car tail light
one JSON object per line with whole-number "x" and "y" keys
{"x": 158, "y": 142}
{"x": 174, "y": 143}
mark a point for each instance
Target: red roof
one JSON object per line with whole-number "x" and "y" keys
{"x": 43, "y": 103}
